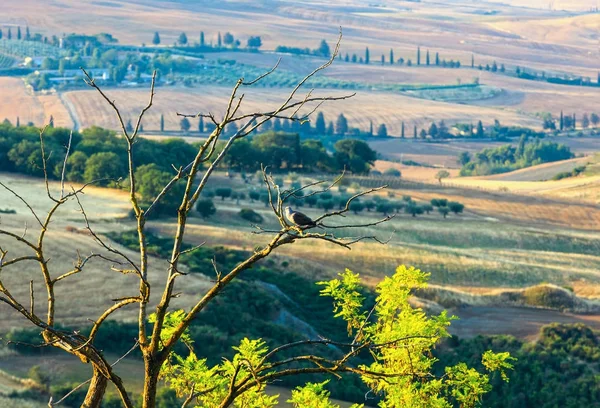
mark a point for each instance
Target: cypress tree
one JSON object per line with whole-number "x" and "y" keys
{"x": 18, "y": 33}
{"x": 574, "y": 121}
{"x": 437, "y": 58}
{"x": 402, "y": 132}
{"x": 415, "y": 136}
{"x": 201, "y": 38}
{"x": 418, "y": 55}
{"x": 162, "y": 122}
{"x": 18, "y": 122}
{"x": 201, "y": 125}
{"x": 219, "y": 41}
{"x": 367, "y": 55}
{"x": 156, "y": 38}
{"x": 562, "y": 121}
{"x": 27, "y": 33}
{"x": 392, "y": 58}
{"x": 427, "y": 58}
{"x": 346, "y": 58}
{"x": 480, "y": 130}
{"x": 370, "y": 128}
{"x": 472, "y": 60}
{"x": 382, "y": 59}
{"x": 1, "y": 38}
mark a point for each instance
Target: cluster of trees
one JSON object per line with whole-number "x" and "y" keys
{"x": 328, "y": 201}
{"x": 533, "y": 75}
{"x": 558, "y": 370}
{"x": 223, "y": 41}
{"x": 320, "y": 129}
{"x": 281, "y": 150}
{"x": 569, "y": 121}
{"x": 427, "y": 60}
{"x": 27, "y": 36}
{"x": 323, "y": 50}
{"x": 507, "y": 158}
{"x": 118, "y": 66}
{"x": 440, "y": 130}
{"x": 99, "y": 155}
{"x": 492, "y": 68}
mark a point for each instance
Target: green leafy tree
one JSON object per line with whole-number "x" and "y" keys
{"x": 585, "y": 121}
{"x": 440, "y": 175}
{"x": 323, "y": 49}
{"x": 151, "y": 180}
{"x": 223, "y": 192}
{"x": 104, "y": 168}
{"x": 206, "y": 208}
{"x": 341, "y": 125}
{"x": 185, "y": 125}
{"x": 354, "y": 155}
{"x": 464, "y": 158}
{"x": 182, "y": 40}
{"x": 254, "y": 42}
{"x": 320, "y": 126}
{"x": 75, "y": 169}
{"x": 433, "y": 131}
{"x": 444, "y": 211}
{"x": 398, "y": 336}
{"x": 455, "y": 207}
{"x": 356, "y": 206}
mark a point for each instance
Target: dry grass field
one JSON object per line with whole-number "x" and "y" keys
{"x": 86, "y": 295}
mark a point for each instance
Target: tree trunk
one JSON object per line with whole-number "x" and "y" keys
{"x": 151, "y": 371}
{"x": 96, "y": 390}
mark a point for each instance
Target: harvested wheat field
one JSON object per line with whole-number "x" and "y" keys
{"x": 360, "y": 110}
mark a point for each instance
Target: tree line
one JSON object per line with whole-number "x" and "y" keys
{"x": 507, "y": 158}
{"x": 225, "y": 41}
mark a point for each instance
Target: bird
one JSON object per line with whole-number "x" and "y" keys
{"x": 299, "y": 219}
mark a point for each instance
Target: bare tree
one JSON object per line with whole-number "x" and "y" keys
{"x": 157, "y": 344}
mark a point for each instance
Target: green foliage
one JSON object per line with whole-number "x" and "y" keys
{"x": 251, "y": 215}
{"x": 313, "y": 395}
{"x": 151, "y": 180}
{"x": 206, "y": 208}
{"x": 354, "y": 155}
{"x": 506, "y": 158}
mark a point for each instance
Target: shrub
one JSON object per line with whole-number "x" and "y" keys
{"x": 391, "y": 172}
{"x": 7, "y": 211}
{"x": 251, "y": 215}
{"x": 548, "y": 296}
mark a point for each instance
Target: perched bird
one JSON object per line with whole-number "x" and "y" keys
{"x": 299, "y": 219}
